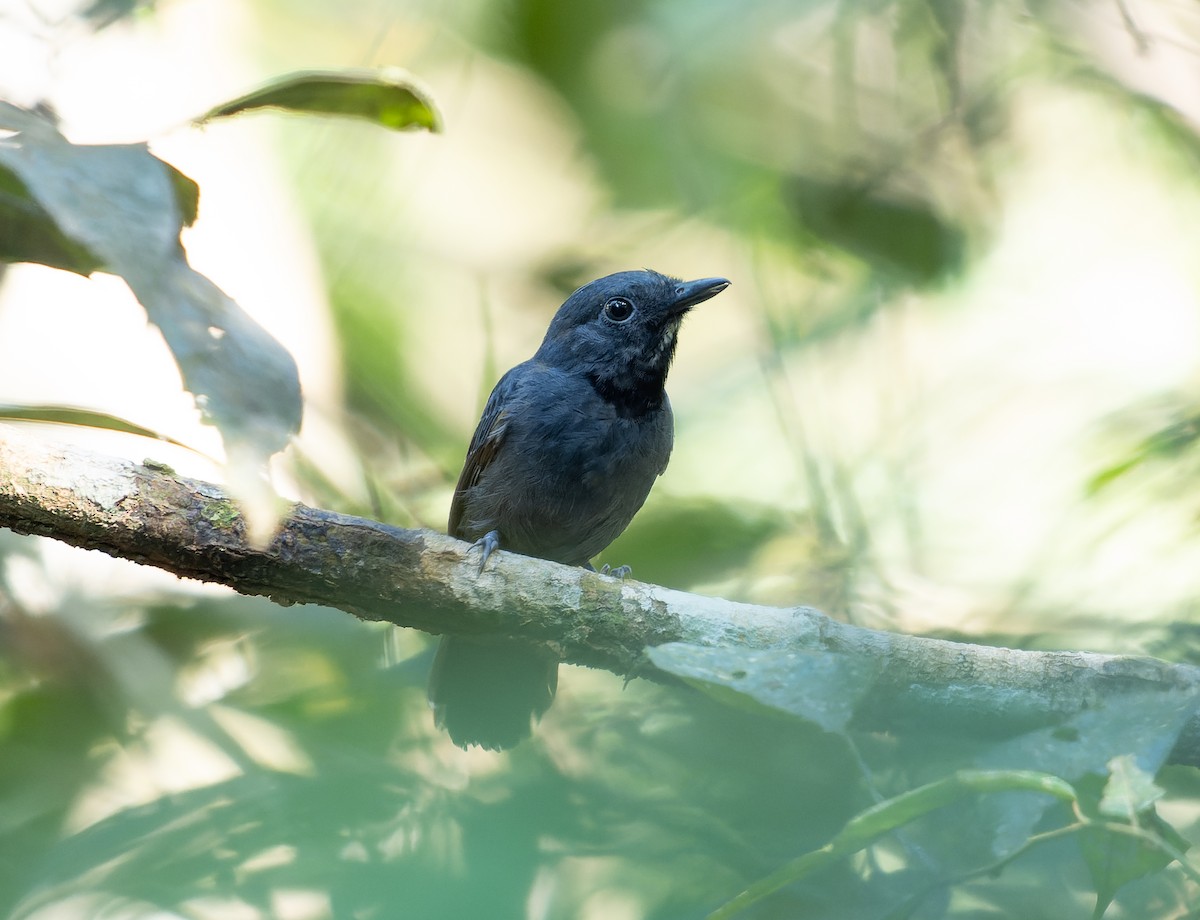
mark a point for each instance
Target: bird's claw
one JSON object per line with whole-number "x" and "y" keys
{"x": 488, "y": 543}
{"x": 621, "y": 571}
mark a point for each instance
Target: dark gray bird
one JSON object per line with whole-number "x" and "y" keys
{"x": 569, "y": 444}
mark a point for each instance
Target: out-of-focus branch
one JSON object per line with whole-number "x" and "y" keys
{"x": 427, "y": 581}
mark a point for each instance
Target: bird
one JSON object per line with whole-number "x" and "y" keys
{"x": 565, "y": 453}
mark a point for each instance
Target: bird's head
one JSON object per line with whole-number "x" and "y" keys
{"x": 620, "y": 332}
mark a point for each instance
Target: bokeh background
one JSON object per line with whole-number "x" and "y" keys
{"x": 953, "y": 390}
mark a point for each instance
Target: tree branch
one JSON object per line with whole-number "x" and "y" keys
{"x": 427, "y": 581}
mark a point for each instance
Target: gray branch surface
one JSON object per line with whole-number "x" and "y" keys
{"x": 428, "y": 581}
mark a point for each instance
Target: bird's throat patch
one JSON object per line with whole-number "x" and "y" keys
{"x": 630, "y": 401}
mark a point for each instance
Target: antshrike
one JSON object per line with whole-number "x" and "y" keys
{"x": 569, "y": 444}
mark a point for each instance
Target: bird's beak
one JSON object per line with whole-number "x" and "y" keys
{"x": 690, "y": 293}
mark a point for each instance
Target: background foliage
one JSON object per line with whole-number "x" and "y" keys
{"x": 952, "y": 391}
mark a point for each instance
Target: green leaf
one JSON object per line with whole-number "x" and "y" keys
{"x": 891, "y": 233}
{"x": 388, "y": 98}
{"x": 380, "y": 383}
{"x": 819, "y": 687}
{"x": 29, "y": 234}
{"x": 123, "y": 208}
{"x": 1113, "y": 472}
{"x": 1148, "y": 723}
{"x": 27, "y": 231}
{"x": 887, "y": 816}
{"x": 15, "y": 118}
{"x": 1115, "y": 858}
{"x": 187, "y": 195}
{"x": 1130, "y": 790}
{"x": 100, "y": 14}
{"x": 978, "y": 832}
{"x": 87, "y": 418}
{"x": 1164, "y": 445}
{"x": 680, "y": 543}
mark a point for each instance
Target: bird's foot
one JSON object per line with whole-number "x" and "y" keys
{"x": 621, "y": 571}
{"x": 488, "y": 543}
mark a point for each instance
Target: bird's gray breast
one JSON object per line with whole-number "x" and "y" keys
{"x": 575, "y": 470}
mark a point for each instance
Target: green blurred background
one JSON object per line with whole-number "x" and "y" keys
{"x": 953, "y": 390}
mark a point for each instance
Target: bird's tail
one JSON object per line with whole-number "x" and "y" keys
{"x": 489, "y": 692}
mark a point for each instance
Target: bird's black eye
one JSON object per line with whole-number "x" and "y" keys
{"x": 618, "y": 309}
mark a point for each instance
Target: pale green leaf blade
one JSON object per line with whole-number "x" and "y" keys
{"x": 388, "y": 98}
{"x": 1130, "y": 790}
{"x": 820, "y": 687}
{"x": 127, "y": 207}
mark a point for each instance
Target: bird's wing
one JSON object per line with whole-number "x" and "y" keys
{"x": 485, "y": 443}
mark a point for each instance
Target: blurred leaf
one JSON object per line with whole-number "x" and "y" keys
{"x": 892, "y": 234}
{"x": 1115, "y": 471}
{"x": 1148, "y": 723}
{"x": 1130, "y": 790}
{"x": 1175, "y": 641}
{"x": 103, "y": 13}
{"x": 1168, "y": 443}
{"x": 87, "y": 418}
{"x": 1074, "y": 61}
{"x": 386, "y": 97}
{"x": 27, "y": 232}
{"x": 976, "y": 833}
{"x": 1114, "y": 858}
{"x": 187, "y": 195}
{"x": 15, "y": 118}
{"x": 894, "y": 813}
{"x": 380, "y": 384}
{"x": 684, "y": 542}
{"x": 941, "y": 44}
{"x": 820, "y": 687}
{"x": 49, "y": 732}
{"x": 127, "y": 207}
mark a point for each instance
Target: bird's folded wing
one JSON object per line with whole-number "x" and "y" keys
{"x": 482, "y": 451}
